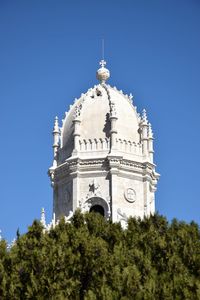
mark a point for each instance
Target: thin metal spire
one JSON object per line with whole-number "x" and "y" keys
{"x": 102, "y": 62}
{"x": 103, "y": 74}
{"x": 102, "y": 49}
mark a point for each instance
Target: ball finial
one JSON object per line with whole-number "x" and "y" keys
{"x": 103, "y": 74}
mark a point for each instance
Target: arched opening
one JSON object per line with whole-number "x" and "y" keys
{"x": 97, "y": 209}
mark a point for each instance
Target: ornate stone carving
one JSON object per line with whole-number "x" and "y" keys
{"x": 131, "y": 98}
{"x": 113, "y": 112}
{"x": 122, "y": 218}
{"x": 85, "y": 205}
{"x": 77, "y": 111}
{"x": 98, "y": 92}
{"x": 94, "y": 186}
{"x": 51, "y": 173}
{"x": 94, "y": 189}
{"x": 130, "y": 195}
{"x": 88, "y": 202}
{"x": 121, "y": 215}
{"x": 103, "y": 74}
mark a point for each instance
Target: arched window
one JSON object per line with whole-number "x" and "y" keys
{"x": 97, "y": 209}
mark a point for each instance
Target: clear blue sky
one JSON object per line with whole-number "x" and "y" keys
{"x": 49, "y": 53}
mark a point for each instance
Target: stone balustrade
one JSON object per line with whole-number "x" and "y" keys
{"x": 104, "y": 144}
{"x": 94, "y": 144}
{"x": 128, "y": 146}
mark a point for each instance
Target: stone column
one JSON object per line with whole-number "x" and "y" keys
{"x": 146, "y": 197}
{"x": 113, "y": 131}
{"x": 114, "y": 163}
{"x": 56, "y": 141}
{"x": 144, "y": 133}
{"x": 152, "y": 204}
{"x": 75, "y": 192}
{"x": 76, "y": 135}
{"x": 150, "y": 143}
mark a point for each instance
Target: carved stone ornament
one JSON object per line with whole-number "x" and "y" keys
{"x": 130, "y": 195}
{"x": 121, "y": 215}
{"x": 94, "y": 189}
{"x": 85, "y": 205}
{"x": 77, "y": 111}
{"x": 113, "y": 112}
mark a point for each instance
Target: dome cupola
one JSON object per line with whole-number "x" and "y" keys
{"x": 103, "y": 156}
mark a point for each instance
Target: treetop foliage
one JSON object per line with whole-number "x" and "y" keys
{"x": 91, "y": 258}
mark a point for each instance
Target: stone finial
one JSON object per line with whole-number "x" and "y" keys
{"x": 56, "y": 132}
{"x": 131, "y": 97}
{"x": 56, "y": 140}
{"x": 150, "y": 132}
{"x": 150, "y": 142}
{"x": 144, "y": 116}
{"x": 56, "y": 126}
{"x": 42, "y": 219}
{"x": 103, "y": 74}
{"x": 102, "y": 63}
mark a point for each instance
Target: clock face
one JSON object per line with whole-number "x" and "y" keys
{"x": 130, "y": 195}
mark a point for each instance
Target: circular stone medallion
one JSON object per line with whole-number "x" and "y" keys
{"x": 130, "y": 195}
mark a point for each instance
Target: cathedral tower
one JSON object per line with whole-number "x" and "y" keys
{"x": 103, "y": 156}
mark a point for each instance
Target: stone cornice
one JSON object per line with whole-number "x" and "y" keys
{"x": 114, "y": 164}
{"x": 74, "y": 165}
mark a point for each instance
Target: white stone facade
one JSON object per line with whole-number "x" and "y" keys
{"x": 103, "y": 156}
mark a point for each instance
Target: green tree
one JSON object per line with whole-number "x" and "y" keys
{"x": 91, "y": 258}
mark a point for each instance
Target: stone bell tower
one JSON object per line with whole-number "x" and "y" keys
{"x": 103, "y": 156}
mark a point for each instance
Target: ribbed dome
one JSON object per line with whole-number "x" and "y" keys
{"x": 103, "y": 156}
{"x": 94, "y": 109}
